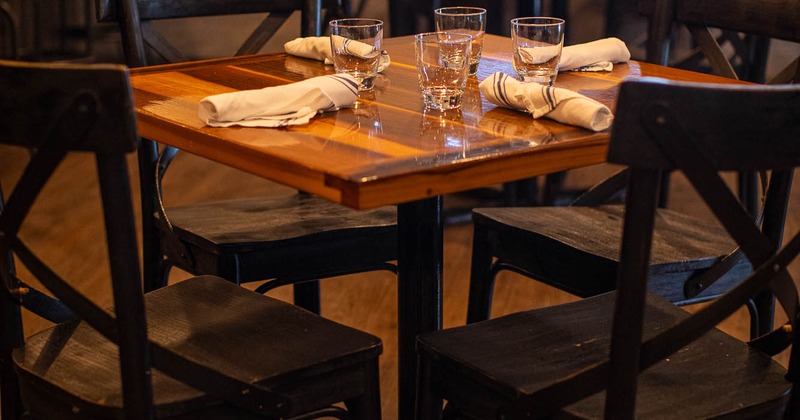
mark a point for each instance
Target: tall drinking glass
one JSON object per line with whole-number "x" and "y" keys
{"x": 356, "y": 48}
{"x": 468, "y": 20}
{"x": 443, "y": 67}
{"x": 537, "y": 48}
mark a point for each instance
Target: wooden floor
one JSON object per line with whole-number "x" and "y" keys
{"x": 74, "y": 241}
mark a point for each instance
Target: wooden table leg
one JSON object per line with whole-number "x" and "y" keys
{"x": 419, "y": 291}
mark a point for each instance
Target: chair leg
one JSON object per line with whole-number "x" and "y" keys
{"x": 164, "y": 268}
{"x": 10, "y": 400}
{"x": 553, "y": 186}
{"x": 765, "y": 305}
{"x": 428, "y": 406}
{"x": 663, "y": 190}
{"x": 307, "y": 296}
{"x": 481, "y": 282}
{"x": 521, "y": 193}
{"x": 793, "y": 406}
{"x": 752, "y": 309}
{"x": 762, "y": 314}
{"x": 367, "y": 406}
{"x": 748, "y": 192}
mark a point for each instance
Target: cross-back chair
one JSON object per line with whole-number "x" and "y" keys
{"x": 629, "y": 353}
{"x": 734, "y": 37}
{"x": 202, "y": 348}
{"x": 138, "y": 31}
{"x": 550, "y": 244}
{"x": 293, "y": 239}
{"x": 731, "y": 40}
{"x": 576, "y": 248}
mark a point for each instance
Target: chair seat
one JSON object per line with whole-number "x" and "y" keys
{"x": 259, "y": 238}
{"x": 577, "y": 248}
{"x": 519, "y": 354}
{"x": 250, "y": 337}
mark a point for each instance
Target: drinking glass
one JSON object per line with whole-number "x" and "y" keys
{"x": 537, "y": 48}
{"x": 443, "y": 67}
{"x": 356, "y": 48}
{"x": 468, "y": 20}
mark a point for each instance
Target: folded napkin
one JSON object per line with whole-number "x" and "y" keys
{"x": 313, "y": 47}
{"x": 279, "y": 106}
{"x": 594, "y": 56}
{"x": 319, "y": 48}
{"x": 539, "y": 55}
{"x": 562, "y": 105}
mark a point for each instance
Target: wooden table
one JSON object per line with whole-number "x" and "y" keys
{"x": 386, "y": 150}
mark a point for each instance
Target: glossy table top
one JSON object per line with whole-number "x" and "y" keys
{"x": 387, "y": 149}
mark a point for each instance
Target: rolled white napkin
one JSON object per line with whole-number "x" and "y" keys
{"x": 559, "y": 104}
{"x": 313, "y": 47}
{"x": 319, "y": 48}
{"x": 539, "y": 55}
{"x": 594, "y": 56}
{"x": 279, "y": 106}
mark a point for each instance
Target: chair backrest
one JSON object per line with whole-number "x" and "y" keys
{"x": 700, "y": 130}
{"x": 134, "y": 17}
{"x": 747, "y": 25}
{"x": 54, "y": 109}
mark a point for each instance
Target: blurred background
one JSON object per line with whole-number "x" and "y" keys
{"x": 67, "y": 29}
{"x": 49, "y": 30}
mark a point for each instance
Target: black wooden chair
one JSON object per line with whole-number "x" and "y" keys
{"x": 287, "y": 240}
{"x": 136, "y": 22}
{"x": 629, "y": 353}
{"x": 577, "y": 248}
{"x": 731, "y": 40}
{"x": 202, "y": 348}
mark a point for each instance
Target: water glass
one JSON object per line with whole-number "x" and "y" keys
{"x": 356, "y": 48}
{"x": 443, "y": 67}
{"x": 537, "y": 48}
{"x": 468, "y": 20}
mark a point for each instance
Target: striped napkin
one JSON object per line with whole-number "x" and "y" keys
{"x": 319, "y": 48}
{"x": 279, "y": 106}
{"x": 559, "y": 104}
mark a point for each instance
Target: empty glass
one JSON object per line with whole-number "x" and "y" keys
{"x": 443, "y": 67}
{"x": 468, "y": 20}
{"x": 537, "y": 48}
